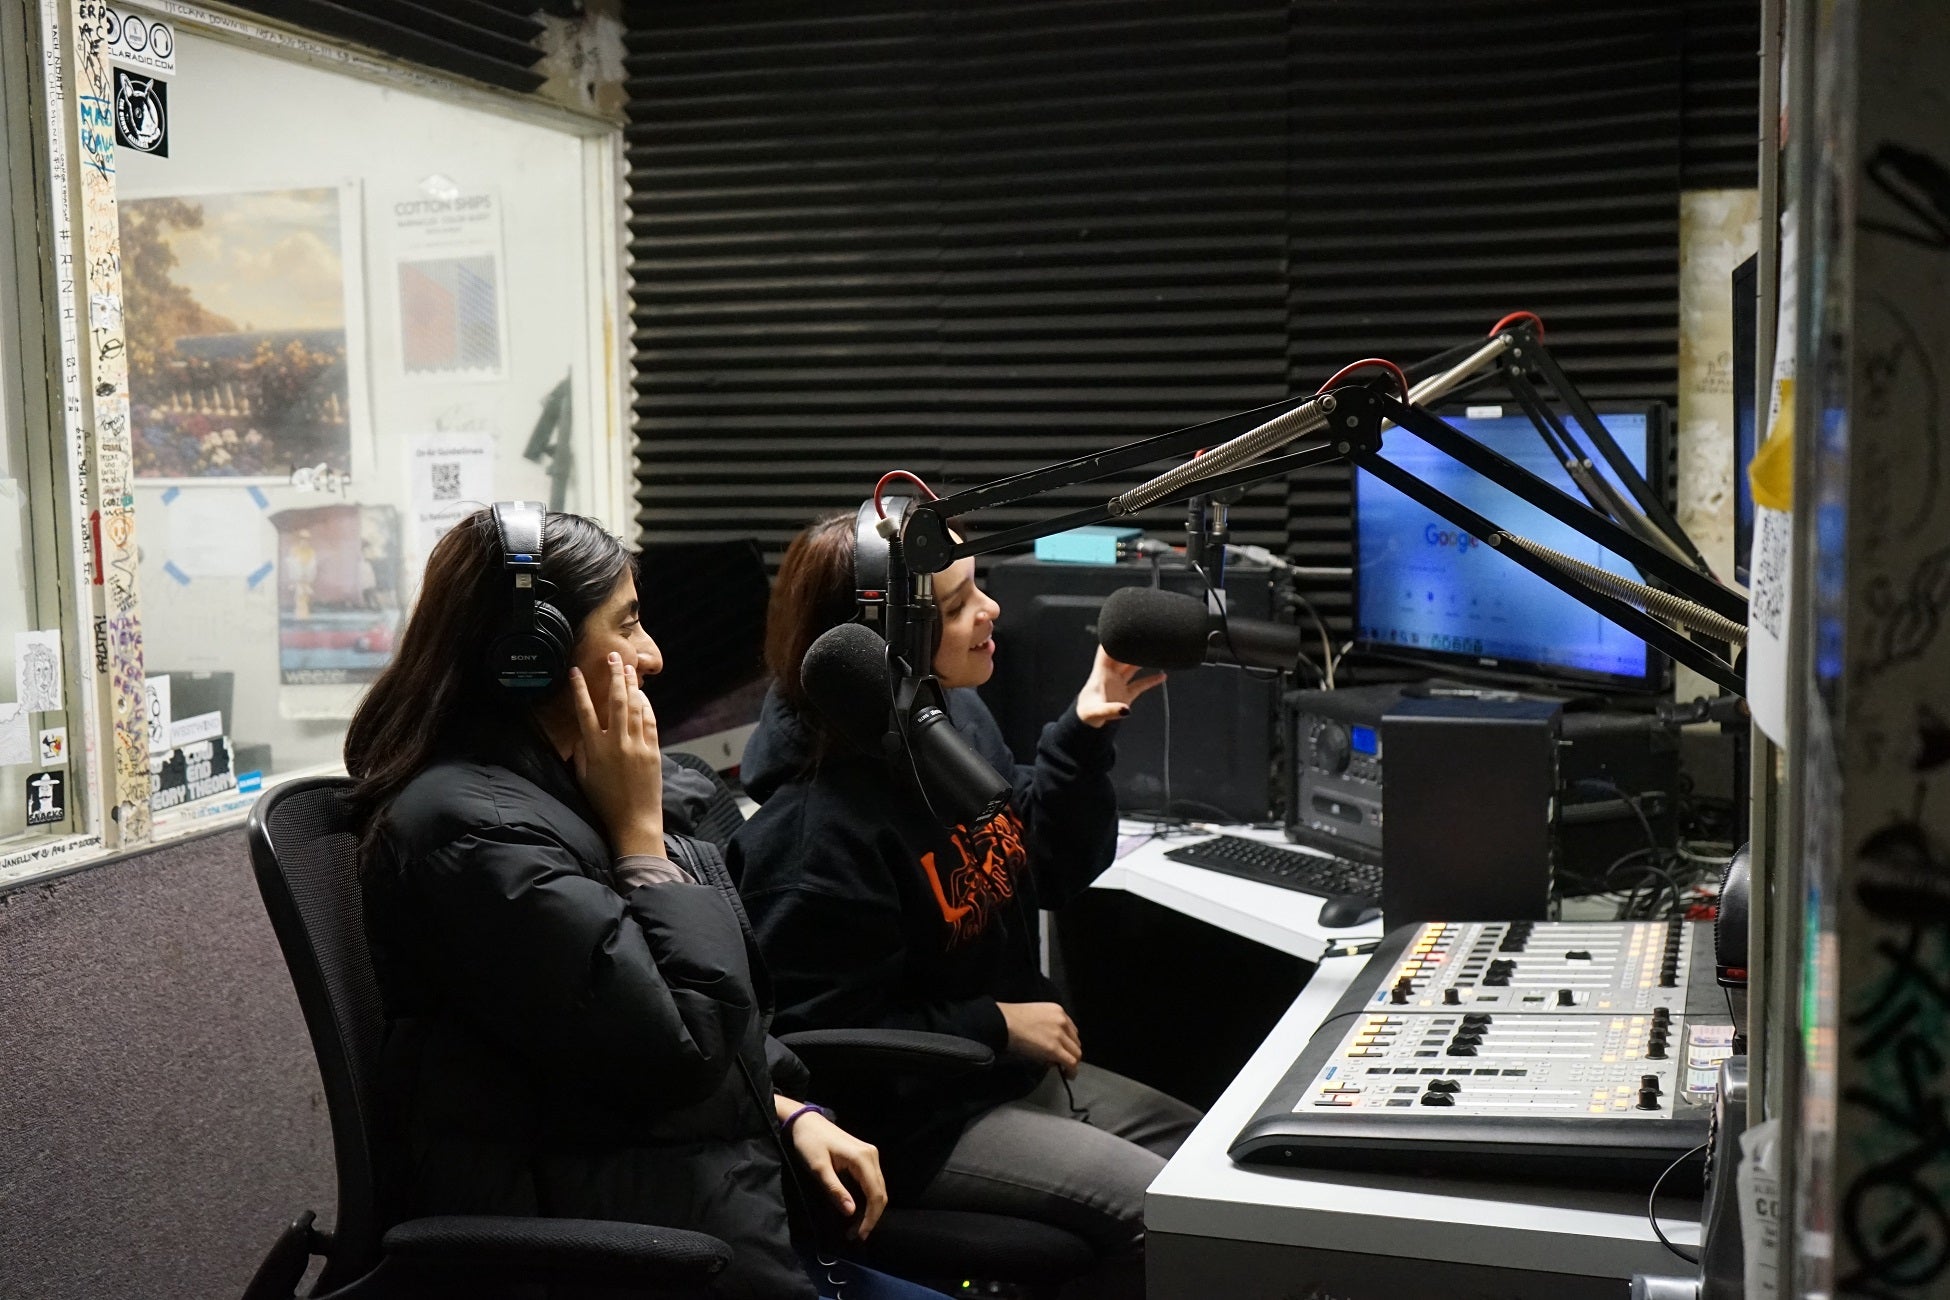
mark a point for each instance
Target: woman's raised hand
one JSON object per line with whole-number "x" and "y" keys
{"x": 618, "y": 762}
{"x": 1107, "y": 695}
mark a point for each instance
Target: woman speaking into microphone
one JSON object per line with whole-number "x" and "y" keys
{"x": 872, "y": 913}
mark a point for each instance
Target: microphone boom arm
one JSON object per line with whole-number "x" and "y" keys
{"x": 1351, "y": 419}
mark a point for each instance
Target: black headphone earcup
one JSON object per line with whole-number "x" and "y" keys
{"x": 523, "y": 661}
{"x": 551, "y": 627}
{"x": 534, "y": 659}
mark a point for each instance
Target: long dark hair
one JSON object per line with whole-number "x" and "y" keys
{"x": 438, "y": 686}
{"x": 813, "y": 592}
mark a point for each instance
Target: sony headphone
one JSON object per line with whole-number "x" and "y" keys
{"x": 872, "y": 558}
{"x": 534, "y": 651}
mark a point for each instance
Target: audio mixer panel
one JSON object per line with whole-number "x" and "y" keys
{"x": 1566, "y": 966}
{"x": 1584, "y": 1050}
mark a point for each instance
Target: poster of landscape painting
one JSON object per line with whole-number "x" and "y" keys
{"x": 235, "y": 309}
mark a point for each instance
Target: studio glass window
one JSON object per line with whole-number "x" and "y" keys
{"x": 357, "y": 307}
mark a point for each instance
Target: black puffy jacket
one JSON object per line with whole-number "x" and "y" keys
{"x": 557, "y": 1048}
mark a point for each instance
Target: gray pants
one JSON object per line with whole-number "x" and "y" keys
{"x": 1083, "y": 1168}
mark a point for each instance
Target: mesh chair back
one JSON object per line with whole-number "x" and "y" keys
{"x": 722, "y": 816}
{"x": 305, "y": 855}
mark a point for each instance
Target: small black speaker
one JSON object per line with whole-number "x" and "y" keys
{"x": 1468, "y": 809}
{"x": 1221, "y": 720}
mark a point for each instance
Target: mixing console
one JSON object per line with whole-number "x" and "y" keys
{"x": 1578, "y": 1048}
{"x": 1566, "y": 966}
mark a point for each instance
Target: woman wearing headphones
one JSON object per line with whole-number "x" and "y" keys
{"x": 871, "y": 914}
{"x": 577, "y": 1015}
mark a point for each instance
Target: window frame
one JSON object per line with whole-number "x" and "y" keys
{"x": 42, "y": 120}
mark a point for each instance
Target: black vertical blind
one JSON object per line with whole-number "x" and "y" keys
{"x": 785, "y": 243}
{"x": 1112, "y": 202}
{"x": 971, "y": 238}
{"x": 493, "y": 41}
{"x": 1451, "y": 163}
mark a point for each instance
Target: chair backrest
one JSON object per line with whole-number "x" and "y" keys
{"x": 722, "y": 816}
{"x": 305, "y": 854}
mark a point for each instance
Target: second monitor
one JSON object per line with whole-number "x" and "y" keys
{"x": 1427, "y": 591}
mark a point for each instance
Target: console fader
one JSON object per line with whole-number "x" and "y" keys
{"x": 1574, "y": 1047}
{"x": 1564, "y": 966}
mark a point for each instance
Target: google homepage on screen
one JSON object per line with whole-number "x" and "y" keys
{"x": 1424, "y": 585}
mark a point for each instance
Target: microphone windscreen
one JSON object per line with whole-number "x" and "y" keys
{"x": 845, "y": 674}
{"x": 1153, "y": 628}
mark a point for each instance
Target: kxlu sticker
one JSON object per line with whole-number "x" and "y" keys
{"x": 141, "y": 113}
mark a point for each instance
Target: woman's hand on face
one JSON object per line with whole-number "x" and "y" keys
{"x": 1107, "y": 696}
{"x": 617, "y": 760}
{"x": 835, "y": 1157}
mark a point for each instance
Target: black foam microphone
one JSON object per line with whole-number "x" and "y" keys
{"x": 1155, "y": 628}
{"x": 845, "y": 672}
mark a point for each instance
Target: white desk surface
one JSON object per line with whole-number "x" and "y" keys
{"x": 1283, "y": 919}
{"x": 1591, "y": 1232}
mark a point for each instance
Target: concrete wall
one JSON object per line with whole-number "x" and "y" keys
{"x": 160, "y": 1112}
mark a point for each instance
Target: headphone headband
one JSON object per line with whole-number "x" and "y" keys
{"x": 872, "y": 559}
{"x": 520, "y": 526}
{"x": 533, "y": 654}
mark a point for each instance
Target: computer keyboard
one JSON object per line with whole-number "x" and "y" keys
{"x": 1272, "y": 864}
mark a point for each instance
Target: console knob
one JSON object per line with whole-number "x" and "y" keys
{"x": 1566, "y": 998}
{"x": 1331, "y": 748}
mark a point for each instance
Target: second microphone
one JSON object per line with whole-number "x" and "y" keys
{"x": 1172, "y": 631}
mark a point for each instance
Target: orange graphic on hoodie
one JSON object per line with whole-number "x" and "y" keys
{"x": 991, "y": 854}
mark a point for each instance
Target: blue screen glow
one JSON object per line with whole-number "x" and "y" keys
{"x": 1362, "y": 739}
{"x": 1424, "y": 585}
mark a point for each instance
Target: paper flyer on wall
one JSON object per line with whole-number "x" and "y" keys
{"x": 1770, "y": 602}
{"x": 1758, "y": 1183}
{"x": 190, "y": 772}
{"x": 16, "y": 737}
{"x": 449, "y": 476}
{"x": 157, "y": 692}
{"x": 216, "y": 532}
{"x": 338, "y": 593}
{"x": 37, "y": 670}
{"x": 447, "y": 249}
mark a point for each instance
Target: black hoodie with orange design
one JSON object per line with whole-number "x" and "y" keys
{"x": 872, "y": 915}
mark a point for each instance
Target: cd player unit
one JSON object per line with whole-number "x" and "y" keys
{"x": 1334, "y": 738}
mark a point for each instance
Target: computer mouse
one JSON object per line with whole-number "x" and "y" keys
{"x": 1346, "y": 911}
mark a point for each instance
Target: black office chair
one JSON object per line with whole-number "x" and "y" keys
{"x": 304, "y": 854}
{"x": 940, "y": 1247}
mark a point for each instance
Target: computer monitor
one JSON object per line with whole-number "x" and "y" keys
{"x": 1426, "y": 590}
